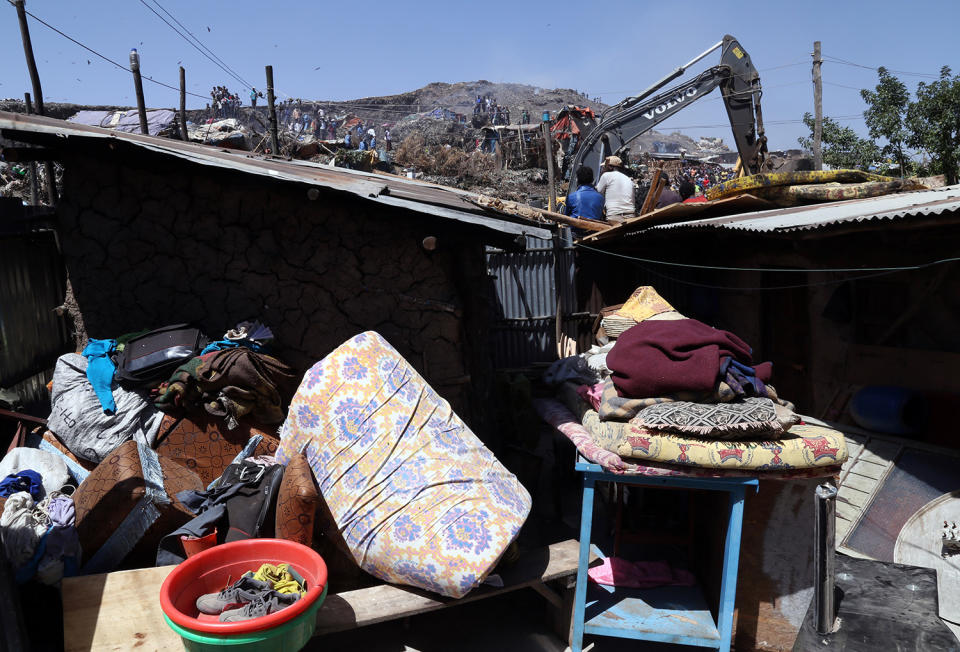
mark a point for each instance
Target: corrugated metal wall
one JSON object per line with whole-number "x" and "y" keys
{"x": 526, "y": 290}
{"x": 32, "y": 335}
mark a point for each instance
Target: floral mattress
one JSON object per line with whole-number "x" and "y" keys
{"x": 416, "y": 496}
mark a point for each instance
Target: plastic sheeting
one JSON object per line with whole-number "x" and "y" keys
{"x": 126, "y": 121}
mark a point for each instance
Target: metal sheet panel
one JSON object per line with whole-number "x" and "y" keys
{"x": 922, "y": 203}
{"x": 32, "y": 335}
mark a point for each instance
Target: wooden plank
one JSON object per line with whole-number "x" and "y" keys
{"x": 853, "y": 497}
{"x": 867, "y": 469}
{"x": 860, "y": 482}
{"x": 848, "y": 511}
{"x": 880, "y": 452}
{"x": 98, "y": 610}
{"x": 384, "y": 602}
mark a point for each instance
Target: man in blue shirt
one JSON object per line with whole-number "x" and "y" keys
{"x": 585, "y": 202}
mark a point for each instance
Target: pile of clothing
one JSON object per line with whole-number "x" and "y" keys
{"x": 662, "y": 388}
{"x": 38, "y": 516}
{"x": 136, "y": 421}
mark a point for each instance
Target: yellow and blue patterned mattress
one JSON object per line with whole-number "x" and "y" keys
{"x": 416, "y": 496}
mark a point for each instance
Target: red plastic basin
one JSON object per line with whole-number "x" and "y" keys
{"x": 210, "y": 571}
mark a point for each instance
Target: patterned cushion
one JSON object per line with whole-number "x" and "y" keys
{"x": 114, "y": 488}
{"x": 803, "y": 447}
{"x": 297, "y": 502}
{"x": 203, "y": 444}
{"x": 744, "y": 419}
{"x": 417, "y": 496}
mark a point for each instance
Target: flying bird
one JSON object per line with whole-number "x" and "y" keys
{"x": 208, "y": 29}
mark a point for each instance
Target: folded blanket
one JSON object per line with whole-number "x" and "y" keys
{"x": 231, "y": 383}
{"x": 614, "y": 407}
{"x": 660, "y": 358}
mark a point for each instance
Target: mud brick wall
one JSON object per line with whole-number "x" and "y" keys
{"x": 152, "y": 241}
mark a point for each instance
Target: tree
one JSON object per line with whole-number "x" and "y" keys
{"x": 934, "y": 123}
{"x": 841, "y": 146}
{"x": 886, "y": 115}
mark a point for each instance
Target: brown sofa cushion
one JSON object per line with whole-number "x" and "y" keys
{"x": 297, "y": 502}
{"x": 111, "y": 492}
{"x": 203, "y": 444}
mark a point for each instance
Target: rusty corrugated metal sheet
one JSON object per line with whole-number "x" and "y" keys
{"x": 32, "y": 335}
{"x": 385, "y": 189}
{"x": 922, "y": 203}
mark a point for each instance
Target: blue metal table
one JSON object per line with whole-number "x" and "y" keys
{"x": 673, "y": 614}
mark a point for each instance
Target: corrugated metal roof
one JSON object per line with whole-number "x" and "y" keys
{"x": 413, "y": 195}
{"x": 922, "y": 203}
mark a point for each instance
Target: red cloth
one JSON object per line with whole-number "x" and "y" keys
{"x": 663, "y": 357}
{"x": 695, "y": 200}
{"x": 639, "y": 574}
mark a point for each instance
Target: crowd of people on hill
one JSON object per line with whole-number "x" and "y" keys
{"x": 224, "y": 103}
{"x": 497, "y": 114}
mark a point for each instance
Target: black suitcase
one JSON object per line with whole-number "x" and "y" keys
{"x": 151, "y": 358}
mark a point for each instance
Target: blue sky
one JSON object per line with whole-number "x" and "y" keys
{"x": 341, "y": 51}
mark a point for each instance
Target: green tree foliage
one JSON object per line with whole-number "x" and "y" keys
{"x": 934, "y": 123}
{"x": 841, "y": 146}
{"x": 886, "y": 116}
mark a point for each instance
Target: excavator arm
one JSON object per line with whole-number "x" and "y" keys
{"x": 740, "y": 87}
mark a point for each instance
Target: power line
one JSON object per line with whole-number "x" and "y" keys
{"x": 902, "y": 268}
{"x": 216, "y": 60}
{"x": 876, "y": 69}
{"x": 105, "y": 58}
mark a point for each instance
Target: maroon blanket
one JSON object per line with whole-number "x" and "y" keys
{"x": 662, "y": 357}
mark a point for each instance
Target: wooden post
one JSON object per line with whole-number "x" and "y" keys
{"x": 37, "y": 91}
{"x": 274, "y": 139}
{"x": 28, "y": 108}
{"x": 138, "y": 88}
{"x": 653, "y": 195}
{"x": 183, "y": 104}
{"x": 817, "y": 108}
{"x": 552, "y": 194}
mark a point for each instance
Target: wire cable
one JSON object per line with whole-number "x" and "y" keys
{"x": 902, "y": 268}
{"x": 105, "y": 58}
{"x": 200, "y": 43}
{"x": 831, "y": 59}
{"x": 194, "y": 46}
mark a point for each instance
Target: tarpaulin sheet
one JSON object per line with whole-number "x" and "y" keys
{"x": 126, "y": 121}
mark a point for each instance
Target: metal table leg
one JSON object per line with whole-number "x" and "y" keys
{"x": 580, "y": 594}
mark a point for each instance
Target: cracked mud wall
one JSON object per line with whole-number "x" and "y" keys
{"x": 156, "y": 242}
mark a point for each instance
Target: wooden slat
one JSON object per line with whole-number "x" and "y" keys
{"x": 853, "y": 497}
{"x": 867, "y": 469}
{"x": 98, "y": 609}
{"x": 860, "y": 482}
{"x": 117, "y": 611}
{"x": 387, "y": 602}
{"x": 880, "y": 452}
{"x": 848, "y": 511}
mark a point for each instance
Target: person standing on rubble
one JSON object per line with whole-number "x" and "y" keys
{"x": 617, "y": 189}
{"x": 386, "y": 139}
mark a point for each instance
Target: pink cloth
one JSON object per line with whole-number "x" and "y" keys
{"x": 592, "y": 394}
{"x": 639, "y": 574}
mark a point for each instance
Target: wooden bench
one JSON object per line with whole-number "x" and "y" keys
{"x": 121, "y": 610}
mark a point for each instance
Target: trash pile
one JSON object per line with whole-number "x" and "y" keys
{"x": 228, "y": 132}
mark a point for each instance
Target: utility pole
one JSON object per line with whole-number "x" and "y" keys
{"x": 548, "y": 147}
{"x": 37, "y": 91}
{"x": 183, "y": 103}
{"x": 28, "y": 107}
{"x": 817, "y": 108}
{"x": 274, "y": 139}
{"x": 138, "y": 87}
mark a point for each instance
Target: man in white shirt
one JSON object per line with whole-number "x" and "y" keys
{"x": 617, "y": 189}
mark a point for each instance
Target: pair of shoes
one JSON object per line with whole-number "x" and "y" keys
{"x": 243, "y": 591}
{"x": 266, "y": 603}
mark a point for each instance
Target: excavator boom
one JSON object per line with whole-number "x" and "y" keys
{"x": 739, "y": 84}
